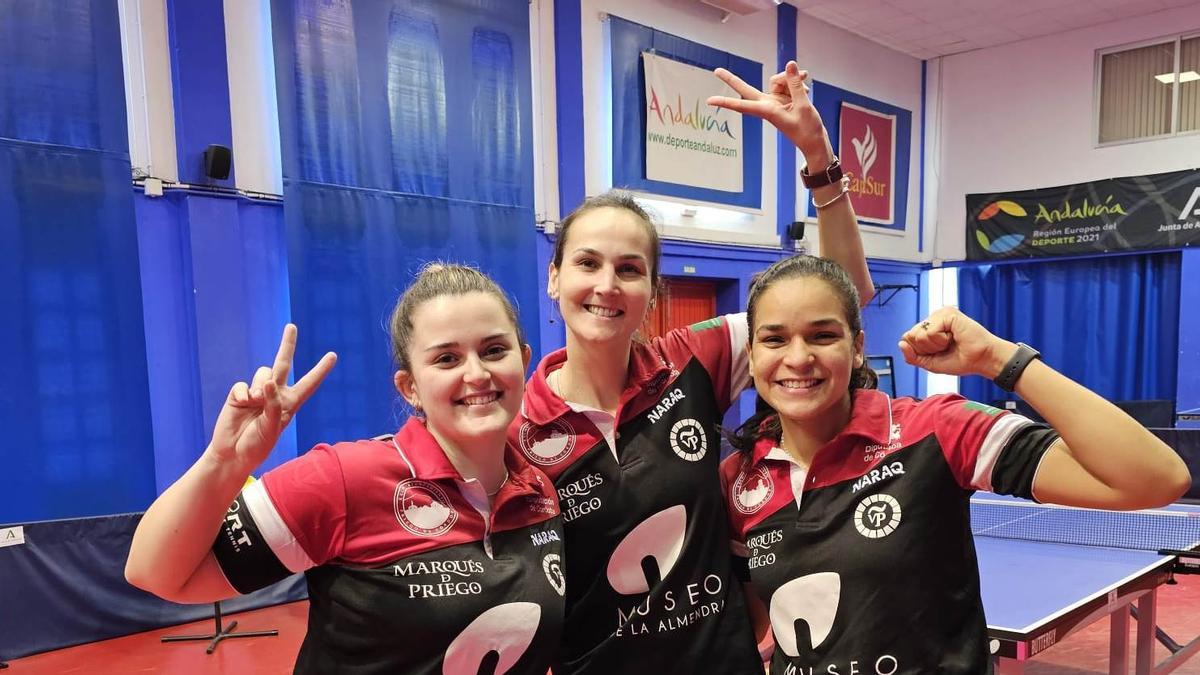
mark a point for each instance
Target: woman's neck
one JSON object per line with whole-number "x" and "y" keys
{"x": 803, "y": 439}
{"x": 480, "y": 459}
{"x": 594, "y": 374}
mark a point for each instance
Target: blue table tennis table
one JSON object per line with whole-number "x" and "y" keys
{"x": 1047, "y": 571}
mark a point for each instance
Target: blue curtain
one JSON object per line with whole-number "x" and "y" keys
{"x": 1109, "y": 323}
{"x": 74, "y": 403}
{"x": 407, "y": 137}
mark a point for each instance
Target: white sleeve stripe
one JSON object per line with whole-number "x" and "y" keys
{"x": 273, "y": 530}
{"x": 997, "y": 439}
{"x": 739, "y": 333}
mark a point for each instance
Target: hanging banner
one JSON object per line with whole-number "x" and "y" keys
{"x": 867, "y": 140}
{"x": 689, "y": 142}
{"x": 1117, "y": 214}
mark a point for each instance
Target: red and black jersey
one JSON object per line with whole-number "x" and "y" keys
{"x": 865, "y": 561}
{"x": 651, "y": 587}
{"x": 407, "y": 570}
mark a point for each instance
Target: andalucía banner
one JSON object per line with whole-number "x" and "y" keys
{"x": 1118, "y": 214}
{"x": 689, "y": 142}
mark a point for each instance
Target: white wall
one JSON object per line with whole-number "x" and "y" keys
{"x": 1020, "y": 116}
{"x": 831, "y": 54}
{"x": 253, "y": 109}
{"x": 148, "y": 93}
{"x": 850, "y": 62}
{"x": 751, "y": 37}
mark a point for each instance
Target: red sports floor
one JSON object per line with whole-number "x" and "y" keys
{"x": 1084, "y": 653}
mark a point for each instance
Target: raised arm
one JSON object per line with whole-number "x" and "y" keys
{"x": 1105, "y": 459}
{"x": 786, "y": 105}
{"x": 171, "y": 551}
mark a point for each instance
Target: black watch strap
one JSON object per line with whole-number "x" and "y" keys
{"x": 1007, "y": 379}
{"x": 831, "y": 175}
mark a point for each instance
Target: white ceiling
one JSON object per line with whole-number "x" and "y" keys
{"x": 930, "y": 28}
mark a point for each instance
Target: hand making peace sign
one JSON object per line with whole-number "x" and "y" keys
{"x": 255, "y": 415}
{"x": 786, "y": 105}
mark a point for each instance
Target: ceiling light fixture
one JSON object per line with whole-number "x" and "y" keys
{"x": 1186, "y": 76}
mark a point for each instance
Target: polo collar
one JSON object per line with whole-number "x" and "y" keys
{"x": 648, "y": 372}
{"x": 870, "y": 418}
{"x": 428, "y": 461}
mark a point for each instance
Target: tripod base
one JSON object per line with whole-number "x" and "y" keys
{"x": 221, "y": 633}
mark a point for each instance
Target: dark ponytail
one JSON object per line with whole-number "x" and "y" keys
{"x": 764, "y": 423}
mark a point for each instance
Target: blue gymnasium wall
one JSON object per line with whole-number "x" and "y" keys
{"x": 1111, "y": 323}
{"x": 116, "y": 306}
{"x": 74, "y": 403}
{"x": 1188, "y": 376}
{"x": 140, "y": 312}
{"x": 214, "y": 264}
{"x": 884, "y": 323}
{"x": 407, "y": 137}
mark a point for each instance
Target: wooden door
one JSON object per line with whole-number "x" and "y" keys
{"x": 681, "y": 302}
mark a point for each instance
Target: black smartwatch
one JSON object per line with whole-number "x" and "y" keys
{"x": 831, "y": 175}
{"x": 1007, "y": 379}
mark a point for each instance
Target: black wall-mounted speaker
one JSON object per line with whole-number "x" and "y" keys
{"x": 217, "y": 161}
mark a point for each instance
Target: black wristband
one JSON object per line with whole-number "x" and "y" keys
{"x": 830, "y": 175}
{"x": 1007, "y": 379}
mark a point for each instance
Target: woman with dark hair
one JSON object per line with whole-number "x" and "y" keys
{"x": 627, "y": 429}
{"x": 436, "y": 550}
{"x": 852, "y": 509}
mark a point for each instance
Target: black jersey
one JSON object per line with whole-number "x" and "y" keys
{"x": 651, "y": 587}
{"x": 407, "y": 570}
{"x": 865, "y": 561}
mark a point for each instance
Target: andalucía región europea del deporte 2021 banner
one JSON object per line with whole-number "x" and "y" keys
{"x": 1118, "y": 214}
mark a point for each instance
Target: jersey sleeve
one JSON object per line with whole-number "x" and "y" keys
{"x": 720, "y": 344}
{"x": 291, "y": 520}
{"x": 988, "y": 448}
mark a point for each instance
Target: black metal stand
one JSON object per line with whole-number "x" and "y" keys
{"x": 894, "y": 288}
{"x": 221, "y": 633}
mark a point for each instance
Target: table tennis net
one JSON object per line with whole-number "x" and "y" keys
{"x": 1148, "y": 530}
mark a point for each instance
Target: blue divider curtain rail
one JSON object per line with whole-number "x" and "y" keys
{"x": 407, "y": 137}
{"x": 1109, "y": 323}
{"x": 74, "y": 403}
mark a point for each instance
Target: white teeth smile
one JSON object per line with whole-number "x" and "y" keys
{"x": 799, "y": 384}
{"x": 481, "y": 399}
{"x": 605, "y": 312}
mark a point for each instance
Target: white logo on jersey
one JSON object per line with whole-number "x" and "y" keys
{"x": 659, "y": 537}
{"x": 505, "y": 629}
{"x": 881, "y": 472}
{"x": 877, "y": 516}
{"x": 549, "y": 444}
{"x": 688, "y": 439}
{"x": 423, "y": 508}
{"x": 813, "y": 598}
{"x": 751, "y": 491}
{"x": 552, "y": 566}
{"x": 674, "y": 396}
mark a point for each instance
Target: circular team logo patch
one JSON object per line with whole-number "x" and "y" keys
{"x": 751, "y": 491}
{"x": 688, "y": 439}
{"x": 423, "y": 508}
{"x": 549, "y": 444}
{"x": 877, "y": 516}
{"x": 552, "y": 566}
